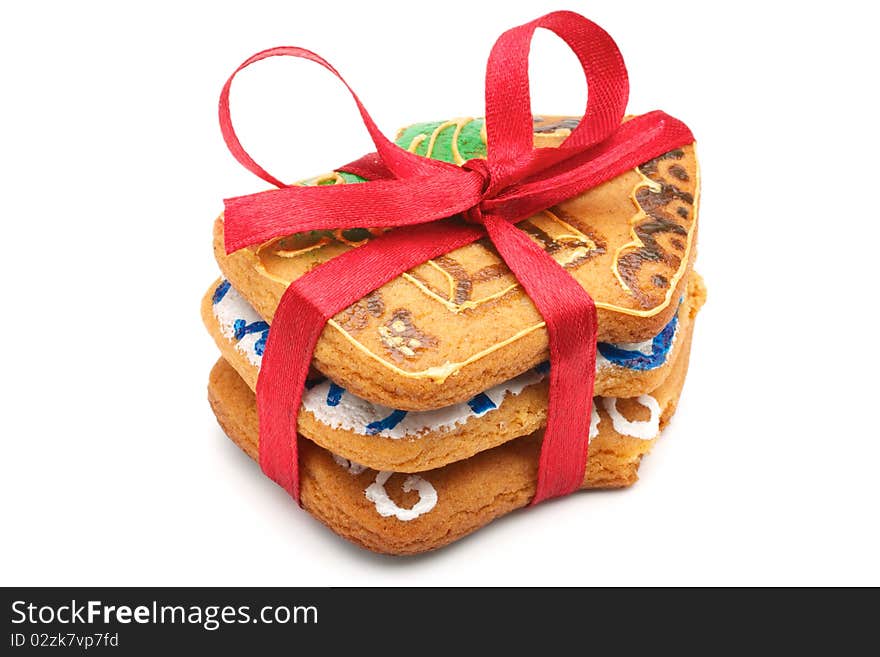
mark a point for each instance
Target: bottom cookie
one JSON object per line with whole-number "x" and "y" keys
{"x": 402, "y": 514}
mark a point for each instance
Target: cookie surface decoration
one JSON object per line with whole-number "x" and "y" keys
{"x": 437, "y": 334}
{"x": 384, "y": 437}
{"x": 410, "y": 513}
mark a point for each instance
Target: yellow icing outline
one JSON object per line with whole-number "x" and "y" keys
{"x": 451, "y": 305}
{"x": 640, "y": 214}
{"x": 416, "y": 142}
{"x": 439, "y": 373}
{"x": 470, "y": 304}
{"x": 335, "y": 176}
{"x": 292, "y": 253}
{"x": 636, "y": 241}
{"x": 434, "y": 135}
{"x": 456, "y": 154}
{"x": 449, "y": 278}
{"x": 459, "y": 124}
{"x": 283, "y": 253}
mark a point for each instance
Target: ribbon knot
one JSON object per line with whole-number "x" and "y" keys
{"x": 414, "y": 195}
{"x": 474, "y": 214}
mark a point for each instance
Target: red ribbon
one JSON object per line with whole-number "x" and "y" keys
{"x": 416, "y": 195}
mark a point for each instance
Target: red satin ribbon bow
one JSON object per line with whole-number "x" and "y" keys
{"x": 415, "y": 195}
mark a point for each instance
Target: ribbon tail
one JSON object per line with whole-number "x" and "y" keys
{"x": 260, "y": 217}
{"x": 280, "y": 386}
{"x": 304, "y": 309}
{"x": 570, "y": 316}
{"x": 636, "y": 141}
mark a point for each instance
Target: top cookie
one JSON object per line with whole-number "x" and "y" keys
{"x": 458, "y": 324}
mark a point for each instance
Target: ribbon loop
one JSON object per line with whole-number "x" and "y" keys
{"x": 401, "y": 162}
{"x": 509, "y": 127}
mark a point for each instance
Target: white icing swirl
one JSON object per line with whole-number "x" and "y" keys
{"x": 642, "y": 429}
{"x": 377, "y": 494}
{"x": 386, "y": 507}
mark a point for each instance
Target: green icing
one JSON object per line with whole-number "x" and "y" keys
{"x": 350, "y": 177}
{"x": 470, "y": 145}
{"x": 347, "y": 177}
{"x": 470, "y": 141}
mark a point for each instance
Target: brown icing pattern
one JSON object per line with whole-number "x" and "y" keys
{"x": 402, "y": 338}
{"x": 463, "y": 285}
{"x": 355, "y": 318}
{"x": 637, "y": 229}
{"x": 679, "y": 173}
{"x": 588, "y": 243}
{"x": 661, "y": 232}
{"x": 563, "y": 236}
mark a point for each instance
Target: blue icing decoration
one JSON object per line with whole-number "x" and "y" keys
{"x": 241, "y": 328}
{"x": 636, "y": 360}
{"x": 481, "y": 404}
{"x": 334, "y": 394}
{"x": 220, "y": 292}
{"x": 260, "y": 345}
{"x": 388, "y": 422}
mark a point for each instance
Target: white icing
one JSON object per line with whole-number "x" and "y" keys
{"x": 386, "y": 507}
{"x": 354, "y": 414}
{"x": 643, "y": 429}
{"x": 594, "y": 422}
{"x": 231, "y": 307}
{"x": 645, "y": 347}
{"x": 350, "y": 466}
{"x": 377, "y": 494}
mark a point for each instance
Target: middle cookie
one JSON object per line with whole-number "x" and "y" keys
{"x": 383, "y": 438}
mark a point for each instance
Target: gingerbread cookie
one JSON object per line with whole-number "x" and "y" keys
{"x": 392, "y": 439}
{"x": 400, "y": 514}
{"x": 459, "y": 324}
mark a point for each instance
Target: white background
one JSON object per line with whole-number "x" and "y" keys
{"x": 112, "y": 169}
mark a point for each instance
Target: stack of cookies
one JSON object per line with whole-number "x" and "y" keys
{"x": 424, "y": 410}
